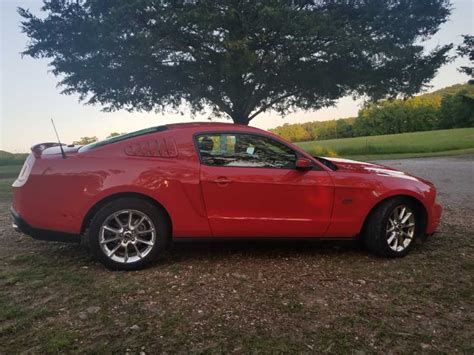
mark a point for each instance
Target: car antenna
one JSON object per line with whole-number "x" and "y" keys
{"x": 59, "y": 141}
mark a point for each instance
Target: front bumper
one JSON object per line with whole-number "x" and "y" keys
{"x": 434, "y": 218}
{"x": 20, "y": 225}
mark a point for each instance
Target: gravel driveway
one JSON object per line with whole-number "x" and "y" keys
{"x": 453, "y": 177}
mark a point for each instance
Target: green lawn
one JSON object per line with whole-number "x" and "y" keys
{"x": 9, "y": 171}
{"x": 415, "y": 144}
{"x": 5, "y": 188}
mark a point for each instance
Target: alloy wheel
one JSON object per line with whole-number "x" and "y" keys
{"x": 127, "y": 236}
{"x": 400, "y": 228}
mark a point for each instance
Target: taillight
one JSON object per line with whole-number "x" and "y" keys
{"x": 25, "y": 171}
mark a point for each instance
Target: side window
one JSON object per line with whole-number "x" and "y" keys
{"x": 244, "y": 150}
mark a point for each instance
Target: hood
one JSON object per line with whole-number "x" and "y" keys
{"x": 346, "y": 165}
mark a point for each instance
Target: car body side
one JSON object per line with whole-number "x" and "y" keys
{"x": 165, "y": 167}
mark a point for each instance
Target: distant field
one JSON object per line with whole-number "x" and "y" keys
{"x": 7, "y": 158}
{"x": 430, "y": 143}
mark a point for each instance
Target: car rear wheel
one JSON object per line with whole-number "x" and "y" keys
{"x": 391, "y": 228}
{"x": 128, "y": 234}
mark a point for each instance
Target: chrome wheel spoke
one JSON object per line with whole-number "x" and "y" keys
{"x": 145, "y": 232}
{"x": 105, "y": 241}
{"x": 143, "y": 241}
{"x": 125, "y": 256}
{"x": 402, "y": 213}
{"x": 138, "y": 224}
{"x": 139, "y": 254}
{"x": 114, "y": 250}
{"x": 113, "y": 230}
{"x": 405, "y": 219}
{"x": 119, "y": 222}
{"x": 391, "y": 238}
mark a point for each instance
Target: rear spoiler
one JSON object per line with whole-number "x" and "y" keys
{"x": 37, "y": 149}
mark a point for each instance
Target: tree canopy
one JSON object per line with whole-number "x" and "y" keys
{"x": 85, "y": 140}
{"x": 466, "y": 49}
{"x": 236, "y": 58}
{"x": 114, "y": 134}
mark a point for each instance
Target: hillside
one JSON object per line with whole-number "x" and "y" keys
{"x": 448, "y": 90}
{"x": 7, "y": 158}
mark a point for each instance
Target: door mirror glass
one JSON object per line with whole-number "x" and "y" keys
{"x": 303, "y": 164}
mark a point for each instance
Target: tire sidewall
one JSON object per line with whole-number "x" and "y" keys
{"x": 156, "y": 216}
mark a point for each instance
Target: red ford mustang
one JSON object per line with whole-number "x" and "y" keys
{"x": 130, "y": 195}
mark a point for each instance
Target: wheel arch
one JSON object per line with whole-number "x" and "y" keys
{"x": 98, "y": 205}
{"x": 418, "y": 204}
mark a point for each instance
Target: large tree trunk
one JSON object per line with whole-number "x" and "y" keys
{"x": 240, "y": 119}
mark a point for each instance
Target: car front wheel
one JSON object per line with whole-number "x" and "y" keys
{"x": 128, "y": 234}
{"x": 392, "y": 228}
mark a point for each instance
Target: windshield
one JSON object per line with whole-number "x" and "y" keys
{"x": 122, "y": 138}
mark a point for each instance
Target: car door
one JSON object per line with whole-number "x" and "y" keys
{"x": 252, "y": 188}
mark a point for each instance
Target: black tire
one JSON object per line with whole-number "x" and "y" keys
{"x": 156, "y": 218}
{"x": 375, "y": 234}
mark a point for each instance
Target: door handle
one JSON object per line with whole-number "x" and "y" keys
{"x": 223, "y": 181}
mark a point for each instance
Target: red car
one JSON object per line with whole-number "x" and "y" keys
{"x": 130, "y": 195}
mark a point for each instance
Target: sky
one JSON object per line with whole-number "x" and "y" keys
{"x": 29, "y": 96}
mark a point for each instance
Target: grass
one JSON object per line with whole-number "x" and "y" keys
{"x": 8, "y": 174}
{"x": 405, "y": 145}
{"x": 9, "y": 171}
{"x": 310, "y": 297}
{"x": 5, "y": 188}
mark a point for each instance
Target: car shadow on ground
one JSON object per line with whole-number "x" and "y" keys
{"x": 221, "y": 250}
{"x": 262, "y": 245}
{"x": 187, "y": 248}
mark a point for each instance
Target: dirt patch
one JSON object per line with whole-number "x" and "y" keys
{"x": 269, "y": 296}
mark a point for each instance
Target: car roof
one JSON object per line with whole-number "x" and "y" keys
{"x": 202, "y": 125}
{"x": 210, "y": 126}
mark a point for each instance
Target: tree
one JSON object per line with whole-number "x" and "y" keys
{"x": 292, "y": 133}
{"x": 466, "y": 49}
{"x": 236, "y": 58}
{"x": 458, "y": 110}
{"x": 85, "y": 140}
{"x": 419, "y": 113}
{"x": 114, "y": 134}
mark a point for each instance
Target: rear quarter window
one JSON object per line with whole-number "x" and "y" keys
{"x": 121, "y": 138}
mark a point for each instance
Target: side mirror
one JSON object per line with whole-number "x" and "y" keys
{"x": 303, "y": 164}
